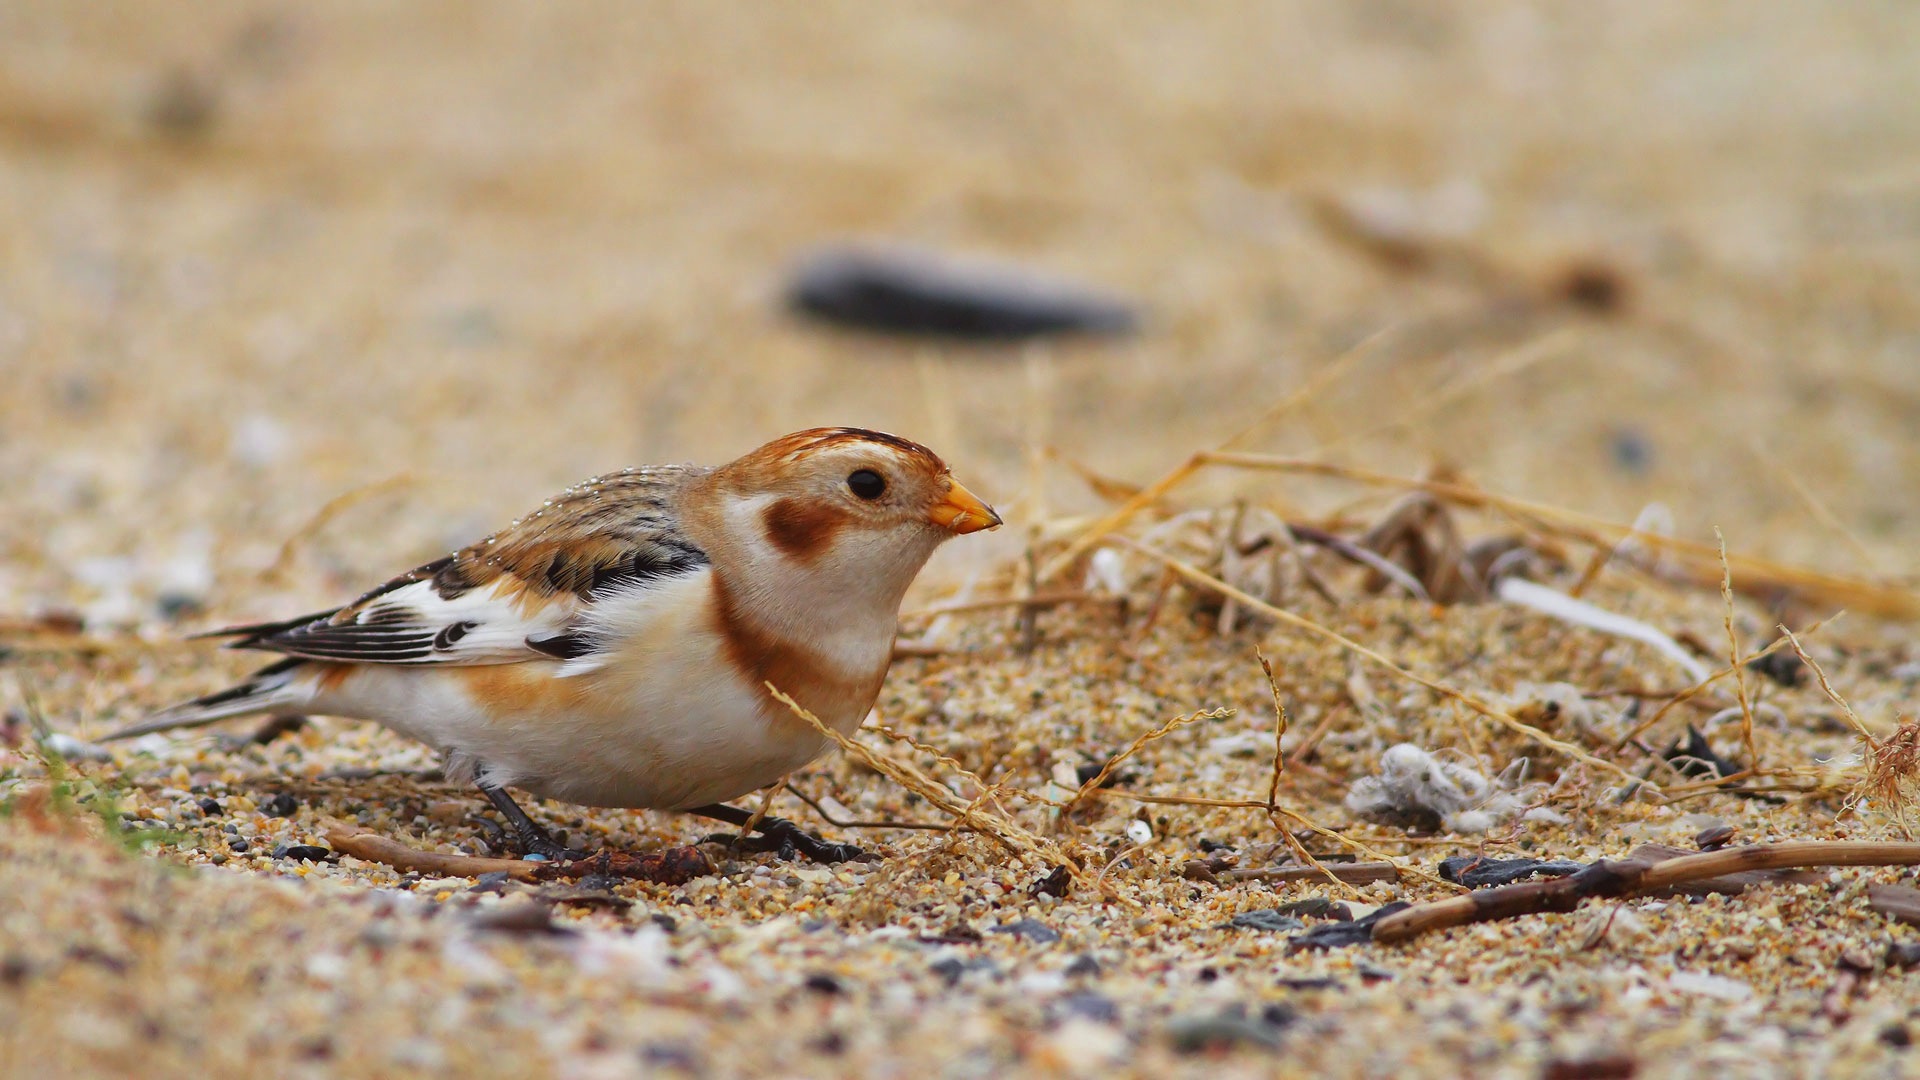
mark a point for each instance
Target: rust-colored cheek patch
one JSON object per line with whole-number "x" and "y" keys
{"x": 801, "y": 529}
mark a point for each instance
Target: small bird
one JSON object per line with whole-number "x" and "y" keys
{"x": 613, "y": 648}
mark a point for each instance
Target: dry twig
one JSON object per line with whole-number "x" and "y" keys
{"x": 1634, "y": 876}
{"x": 990, "y": 822}
{"x": 1484, "y": 708}
{"x": 1100, "y": 778}
{"x": 373, "y": 847}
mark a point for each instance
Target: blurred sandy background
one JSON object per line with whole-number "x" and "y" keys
{"x": 259, "y": 256}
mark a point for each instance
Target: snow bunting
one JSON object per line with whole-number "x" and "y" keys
{"x": 613, "y": 647}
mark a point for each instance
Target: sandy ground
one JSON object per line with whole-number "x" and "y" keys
{"x": 291, "y": 299}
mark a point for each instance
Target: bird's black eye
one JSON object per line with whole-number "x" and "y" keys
{"x": 867, "y": 484}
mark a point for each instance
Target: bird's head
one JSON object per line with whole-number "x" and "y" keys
{"x": 846, "y": 507}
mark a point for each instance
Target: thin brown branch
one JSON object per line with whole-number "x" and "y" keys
{"x": 1634, "y": 876}
{"x": 357, "y": 842}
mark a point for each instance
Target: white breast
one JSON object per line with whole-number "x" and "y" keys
{"x": 664, "y": 721}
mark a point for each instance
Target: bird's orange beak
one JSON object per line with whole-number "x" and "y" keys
{"x": 962, "y": 511}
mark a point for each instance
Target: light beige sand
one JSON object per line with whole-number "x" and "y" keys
{"x": 290, "y": 300}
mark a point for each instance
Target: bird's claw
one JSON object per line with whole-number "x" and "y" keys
{"x": 790, "y": 842}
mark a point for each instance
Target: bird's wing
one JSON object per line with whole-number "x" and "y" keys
{"x": 521, "y": 594}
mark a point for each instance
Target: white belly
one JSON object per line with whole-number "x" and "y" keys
{"x": 665, "y": 723}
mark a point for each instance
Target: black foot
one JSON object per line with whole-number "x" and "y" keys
{"x": 780, "y": 836}
{"x": 527, "y": 833}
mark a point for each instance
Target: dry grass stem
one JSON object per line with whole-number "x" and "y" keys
{"x": 329, "y": 510}
{"x": 1279, "y": 732}
{"x": 991, "y": 823}
{"x": 1444, "y": 397}
{"x": 1702, "y": 686}
{"x": 1093, "y": 785}
{"x": 1734, "y": 662}
{"x": 1820, "y": 674}
{"x": 1153, "y": 492}
{"x": 1816, "y": 506}
{"x": 1884, "y": 599}
{"x": 1484, "y": 708}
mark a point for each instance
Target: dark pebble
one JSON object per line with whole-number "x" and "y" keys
{"x": 1315, "y": 907}
{"x": 664, "y": 921}
{"x": 677, "y": 1056}
{"x": 1714, "y": 837}
{"x": 281, "y": 805}
{"x": 174, "y": 606}
{"x": 302, "y": 852}
{"x": 1058, "y": 882}
{"x": 1608, "y": 1067}
{"x": 1088, "y": 1005}
{"x": 1479, "y": 872}
{"x": 239, "y": 846}
{"x": 952, "y": 968}
{"x": 1270, "y": 920}
{"x": 906, "y": 291}
{"x": 1030, "y": 930}
{"x": 1087, "y": 772}
{"x": 1896, "y": 1035}
{"x": 512, "y": 918}
{"x": 1783, "y": 666}
{"x": 822, "y": 983}
{"x": 1210, "y": 846}
{"x": 1339, "y": 935}
{"x": 1309, "y": 982}
{"x": 495, "y": 882}
{"x": 1696, "y": 758}
{"x": 1083, "y": 965}
{"x": 1226, "y": 1031}
{"x": 14, "y": 970}
{"x": 1632, "y": 451}
{"x": 1904, "y": 954}
{"x": 210, "y": 807}
{"x": 832, "y": 1044}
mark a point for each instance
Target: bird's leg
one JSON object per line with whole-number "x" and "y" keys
{"x": 778, "y": 835}
{"x": 533, "y": 839}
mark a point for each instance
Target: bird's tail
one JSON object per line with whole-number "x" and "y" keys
{"x": 272, "y": 687}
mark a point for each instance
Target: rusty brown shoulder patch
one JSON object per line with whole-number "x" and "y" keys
{"x": 762, "y": 658}
{"x": 801, "y": 529}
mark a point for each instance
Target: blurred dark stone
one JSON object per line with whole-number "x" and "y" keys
{"x": 909, "y": 291}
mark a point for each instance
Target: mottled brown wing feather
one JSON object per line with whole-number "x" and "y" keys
{"x": 521, "y": 584}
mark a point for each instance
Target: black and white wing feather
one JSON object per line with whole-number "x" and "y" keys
{"x": 517, "y": 595}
